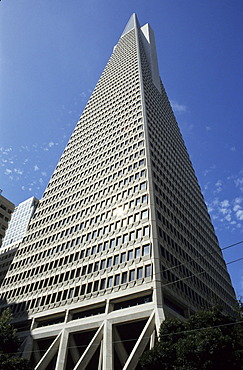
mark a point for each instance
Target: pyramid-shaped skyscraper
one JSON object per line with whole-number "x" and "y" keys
{"x": 121, "y": 238}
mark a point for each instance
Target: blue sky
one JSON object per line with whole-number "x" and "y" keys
{"x": 52, "y": 55}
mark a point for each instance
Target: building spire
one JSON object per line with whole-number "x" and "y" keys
{"x": 132, "y": 23}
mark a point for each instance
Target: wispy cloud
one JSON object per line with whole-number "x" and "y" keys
{"x": 228, "y": 212}
{"x": 7, "y": 171}
{"x": 178, "y": 108}
{"x": 218, "y": 187}
{"x": 18, "y": 171}
{"x": 83, "y": 94}
{"x": 209, "y": 170}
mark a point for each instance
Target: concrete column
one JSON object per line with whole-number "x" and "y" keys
{"x": 62, "y": 352}
{"x": 107, "y": 346}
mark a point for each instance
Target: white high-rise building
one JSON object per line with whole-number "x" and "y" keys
{"x": 19, "y": 221}
{"x": 121, "y": 238}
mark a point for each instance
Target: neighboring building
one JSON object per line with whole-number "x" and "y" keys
{"x": 121, "y": 238}
{"x": 20, "y": 221}
{"x": 6, "y": 209}
{"x": 15, "y": 233}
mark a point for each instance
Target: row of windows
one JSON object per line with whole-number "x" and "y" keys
{"x": 81, "y": 156}
{"x": 92, "y": 287}
{"x": 100, "y": 266}
{"x": 75, "y": 180}
{"x": 118, "y": 241}
{"x": 194, "y": 245}
{"x": 126, "y": 276}
{"x": 182, "y": 287}
{"x": 100, "y": 218}
{"x": 198, "y": 256}
{"x": 190, "y": 231}
{"x": 101, "y": 184}
{"x": 85, "y": 157}
{"x": 185, "y": 272}
{"x": 89, "y": 178}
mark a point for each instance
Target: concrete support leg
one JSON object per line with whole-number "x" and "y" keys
{"x": 142, "y": 341}
{"x": 101, "y": 356}
{"x": 107, "y": 345}
{"x": 152, "y": 340}
{"x": 90, "y": 350}
{"x": 49, "y": 354}
{"x": 62, "y": 352}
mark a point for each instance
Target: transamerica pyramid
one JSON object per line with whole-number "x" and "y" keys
{"x": 121, "y": 238}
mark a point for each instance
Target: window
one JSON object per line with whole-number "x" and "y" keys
{"x": 117, "y": 280}
{"x": 132, "y": 275}
{"x": 136, "y": 217}
{"x": 124, "y": 277}
{"x": 118, "y": 240}
{"x": 123, "y": 257}
{"x": 116, "y": 259}
{"x": 139, "y": 273}
{"x": 125, "y": 238}
{"x": 90, "y": 268}
{"x": 137, "y": 252}
{"x": 89, "y": 288}
{"x": 130, "y": 220}
{"x": 146, "y": 231}
{"x": 147, "y": 270}
{"x": 112, "y": 243}
{"x": 102, "y": 284}
{"x": 144, "y": 214}
{"x": 139, "y": 233}
{"x": 109, "y": 261}
{"x": 70, "y": 294}
{"x": 102, "y": 264}
{"x": 129, "y": 255}
{"x": 138, "y": 201}
{"x": 143, "y": 186}
{"x": 132, "y": 235}
{"x": 109, "y": 282}
{"x": 146, "y": 249}
{"x": 144, "y": 199}
{"x": 132, "y": 203}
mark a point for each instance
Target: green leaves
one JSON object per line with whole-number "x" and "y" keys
{"x": 9, "y": 345}
{"x": 208, "y": 340}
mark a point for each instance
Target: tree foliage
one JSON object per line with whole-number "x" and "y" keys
{"x": 208, "y": 340}
{"x": 9, "y": 345}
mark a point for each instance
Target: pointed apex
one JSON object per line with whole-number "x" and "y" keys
{"x": 132, "y": 23}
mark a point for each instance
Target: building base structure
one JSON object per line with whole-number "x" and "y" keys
{"x": 108, "y": 334}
